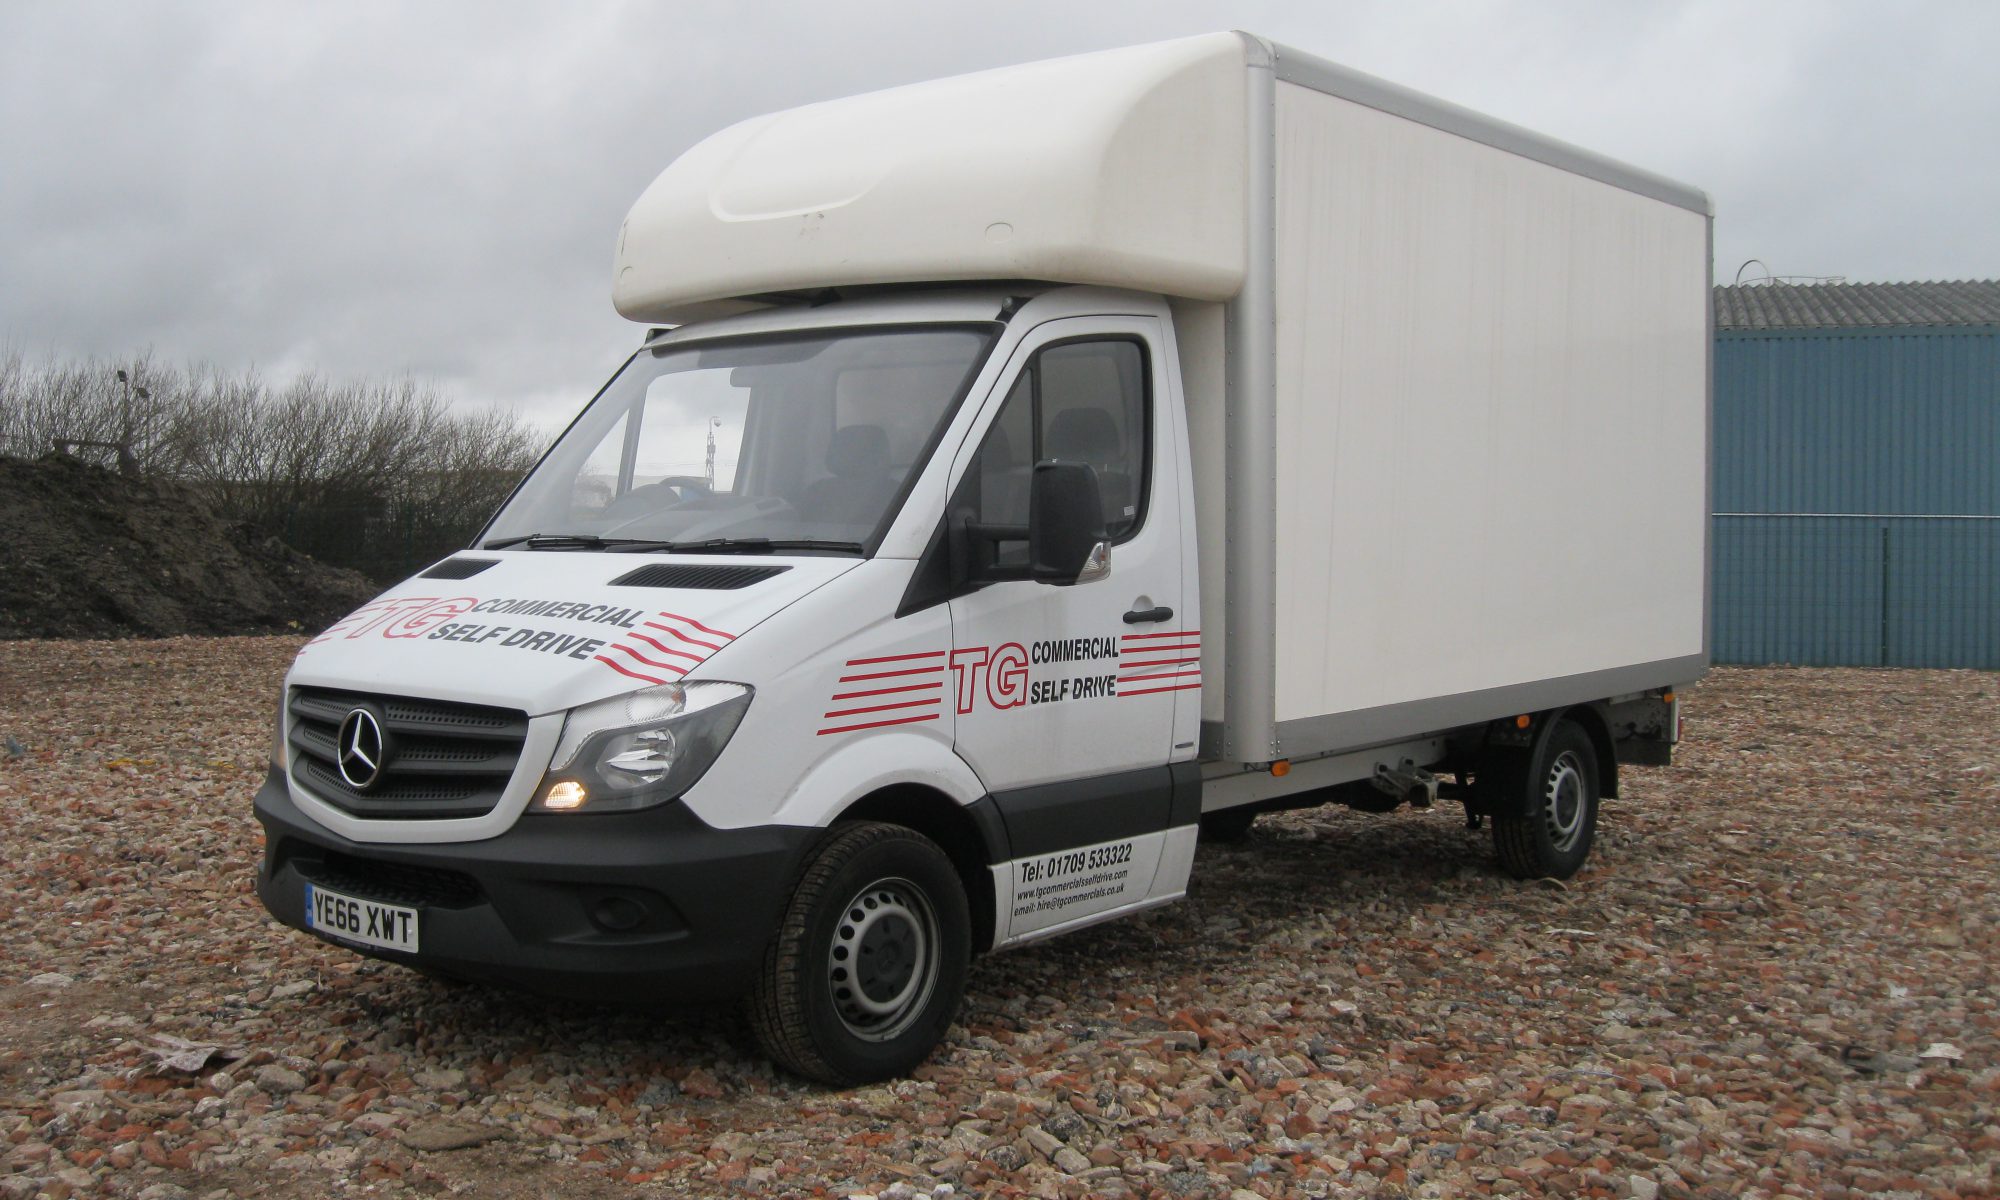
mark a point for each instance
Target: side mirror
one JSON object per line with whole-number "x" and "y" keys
{"x": 1066, "y": 542}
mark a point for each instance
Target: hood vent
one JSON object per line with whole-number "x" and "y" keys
{"x": 458, "y": 568}
{"x": 704, "y": 578}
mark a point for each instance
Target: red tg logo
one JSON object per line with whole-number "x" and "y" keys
{"x": 1005, "y": 672}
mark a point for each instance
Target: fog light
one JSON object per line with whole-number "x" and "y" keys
{"x": 618, "y": 914}
{"x": 566, "y": 795}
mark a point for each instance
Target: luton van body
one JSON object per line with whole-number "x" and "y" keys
{"x": 1021, "y": 476}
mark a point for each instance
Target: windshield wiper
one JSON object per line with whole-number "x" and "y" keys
{"x": 590, "y": 541}
{"x": 565, "y": 541}
{"x": 750, "y": 545}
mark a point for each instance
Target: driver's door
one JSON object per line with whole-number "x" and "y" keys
{"x": 1066, "y": 694}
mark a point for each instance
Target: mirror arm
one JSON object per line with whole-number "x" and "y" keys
{"x": 997, "y": 533}
{"x": 976, "y": 551}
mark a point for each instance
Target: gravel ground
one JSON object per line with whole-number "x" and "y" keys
{"x": 1775, "y": 978}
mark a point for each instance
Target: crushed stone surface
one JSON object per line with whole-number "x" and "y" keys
{"x": 1774, "y": 978}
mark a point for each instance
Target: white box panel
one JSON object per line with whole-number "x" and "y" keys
{"x": 1491, "y": 416}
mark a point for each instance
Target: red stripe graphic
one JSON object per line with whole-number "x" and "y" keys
{"x": 1159, "y": 675}
{"x": 692, "y": 641}
{"x": 664, "y": 649}
{"x": 622, "y": 671}
{"x": 939, "y": 669}
{"x": 863, "y": 662}
{"x": 1179, "y": 687}
{"x": 913, "y": 691}
{"x": 884, "y": 691}
{"x": 930, "y": 716}
{"x": 848, "y": 712}
{"x": 1140, "y": 637}
{"x": 727, "y": 637}
{"x": 676, "y": 668}
{"x": 1126, "y": 664}
{"x": 628, "y": 643}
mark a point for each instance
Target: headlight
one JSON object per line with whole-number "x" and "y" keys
{"x": 642, "y": 748}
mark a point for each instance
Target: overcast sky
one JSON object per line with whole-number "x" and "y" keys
{"x": 373, "y": 189}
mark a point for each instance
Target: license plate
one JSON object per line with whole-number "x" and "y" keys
{"x": 370, "y": 922}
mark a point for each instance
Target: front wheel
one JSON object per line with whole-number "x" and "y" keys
{"x": 869, "y": 963}
{"x": 1553, "y": 838}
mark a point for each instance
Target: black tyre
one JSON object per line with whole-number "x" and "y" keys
{"x": 1229, "y": 825}
{"x": 1553, "y": 839}
{"x": 869, "y": 963}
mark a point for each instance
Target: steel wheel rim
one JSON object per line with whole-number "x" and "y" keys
{"x": 1563, "y": 801}
{"x": 882, "y": 965}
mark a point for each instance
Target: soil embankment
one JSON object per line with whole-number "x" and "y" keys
{"x": 86, "y": 552}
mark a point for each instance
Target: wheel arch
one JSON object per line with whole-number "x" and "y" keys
{"x": 1533, "y": 836}
{"x": 1590, "y": 718}
{"x": 958, "y": 831}
{"x": 1500, "y": 764}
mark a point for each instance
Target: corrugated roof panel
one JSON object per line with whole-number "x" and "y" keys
{"x": 1857, "y": 305}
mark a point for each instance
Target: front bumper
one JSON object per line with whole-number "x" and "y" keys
{"x": 643, "y": 906}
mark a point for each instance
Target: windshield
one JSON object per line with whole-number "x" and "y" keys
{"x": 801, "y": 438}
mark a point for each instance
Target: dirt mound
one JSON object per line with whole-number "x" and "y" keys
{"x": 85, "y": 552}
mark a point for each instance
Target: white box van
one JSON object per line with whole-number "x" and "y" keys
{"x": 1027, "y": 472}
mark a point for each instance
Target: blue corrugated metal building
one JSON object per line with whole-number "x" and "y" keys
{"x": 1857, "y": 474}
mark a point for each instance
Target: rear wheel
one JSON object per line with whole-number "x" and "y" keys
{"x": 1549, "y": 836}
{"x": 869, "y": 963}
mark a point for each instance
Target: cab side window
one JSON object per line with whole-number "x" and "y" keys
{"x": 1082, "y": 401}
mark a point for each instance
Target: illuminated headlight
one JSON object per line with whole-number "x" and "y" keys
{"x": 642, "y": 748}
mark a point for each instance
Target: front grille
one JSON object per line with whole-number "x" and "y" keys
{"x": 391, "y": 883}
{"x": 440, "y": 759}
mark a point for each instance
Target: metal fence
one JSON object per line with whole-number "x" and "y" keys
{"x": 1857, "y": 590}
{"x": 385, "y": 542}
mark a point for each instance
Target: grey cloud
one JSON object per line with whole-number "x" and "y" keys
{"x": 374, "y": 189}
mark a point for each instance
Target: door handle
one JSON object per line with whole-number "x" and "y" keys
{"x": 1140, "y": 616}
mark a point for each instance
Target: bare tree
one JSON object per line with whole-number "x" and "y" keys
{"x": 378, "y": 475}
